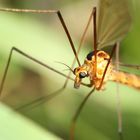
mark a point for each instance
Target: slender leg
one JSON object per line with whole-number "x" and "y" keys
{"x": 119, "y": 113}
{"x": 95, "y": 40}
{"x": 31, "y": 58}
{"x": 76, "y": 115}
{"x": 116, "y": 47}
{"x": 34, "y": 103}
{"x": 129, "y": 65}
{"x": 40, "y": 100}
{"x": 45, "y": 12}
{"x": 43, "y": 98}
{"x": 113, "y": 50}
{"x": 80, "y": 45}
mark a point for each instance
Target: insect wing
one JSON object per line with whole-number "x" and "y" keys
{"x": 114, "y": 21}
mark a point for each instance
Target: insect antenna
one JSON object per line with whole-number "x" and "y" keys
{"x": 69, "y": 68}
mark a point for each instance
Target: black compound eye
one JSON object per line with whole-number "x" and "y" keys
{"x": 82, "y": 74}
{"x": 90, "y": 55}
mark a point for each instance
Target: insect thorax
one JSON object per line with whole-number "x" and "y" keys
{"x": 102, "y": 60}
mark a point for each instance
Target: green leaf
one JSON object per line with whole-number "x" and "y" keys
{"x": 16, "y": 127}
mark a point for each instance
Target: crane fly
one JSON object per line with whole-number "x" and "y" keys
{"x": 111, "y": 21}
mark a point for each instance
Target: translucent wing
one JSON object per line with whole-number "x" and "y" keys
{"x": 114, "y": 21}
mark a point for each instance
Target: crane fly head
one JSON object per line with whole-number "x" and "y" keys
{"x": 88, "y": 68}
{"x": 80, "y": 73}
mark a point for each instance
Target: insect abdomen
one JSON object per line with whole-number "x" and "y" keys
{"x": 126, "y": 78}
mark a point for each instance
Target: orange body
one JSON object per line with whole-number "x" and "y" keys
{"x": 126, "y": 78}
{"x": 88, "y": 70}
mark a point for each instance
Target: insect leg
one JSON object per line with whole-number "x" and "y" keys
{"x": 31, "y": 58}
{"x": 118, "y": 109}
{"x": 119, "y": 112}
{"x": 77, "y": 113}
{"x": 95, "y": 40}
{"x": 58, "y": 13}
{"x": 129, "y": 65}
{"x": 112, "y": 52}
{"x": 40, "y": 100}
{"x": 43, "y": 98}
{"x": 80, "y": 45}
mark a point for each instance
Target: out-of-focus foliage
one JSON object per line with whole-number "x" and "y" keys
{"x": 42, "y": 37}
{"x": 14, "y": 126}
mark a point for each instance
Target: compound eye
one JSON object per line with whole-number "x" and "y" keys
{"x": 82, "y": 74}
{"x": 89, "y": 56}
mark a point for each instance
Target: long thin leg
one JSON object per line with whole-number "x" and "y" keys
{"x": 119, "y": 113}
{"x": 80, "y": 45}
{"x": 44, "y": 12}
{"x": 112, "y": 52}
{"x": 76, "y": 115}
{"x": 40, "y": 63}
{"x": 36, "y": 102}
{"x": 46, "y": 98}
{"x": 129, "y": 65}
{"x": 118, "y": 103}
{"x": 95, "y": 41}
{"x": 28, "y": 56}
{"x": 40, "y": 100}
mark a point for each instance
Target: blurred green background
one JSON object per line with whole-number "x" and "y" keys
{"x": 42, "y": 37}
